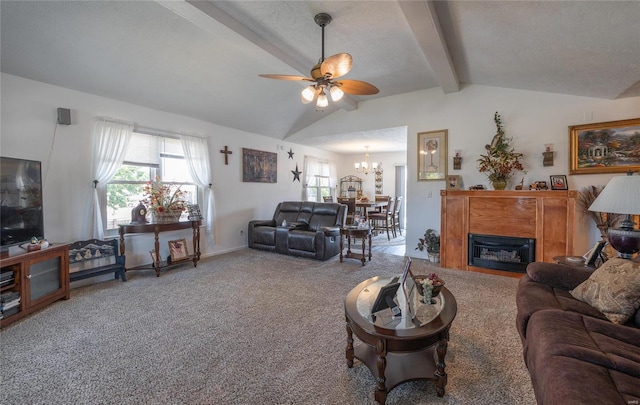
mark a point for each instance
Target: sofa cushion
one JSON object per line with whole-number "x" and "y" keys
{"x": 574, "y": 358}
{"x": 556, "y": 275}
{"x": 287, "y": 211}
{"x": 613, "y": 289}
{"x": 535, "y": 296}
{"x": 324, "y": 215}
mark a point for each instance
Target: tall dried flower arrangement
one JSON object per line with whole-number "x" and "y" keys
{"x": 603, "y": 220}
{"x": 501, "y": 161}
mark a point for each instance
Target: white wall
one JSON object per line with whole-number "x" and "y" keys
{"x": 389, "y": 162}
{"x": 28, "y": 130}
{"x": 531, "y": 118}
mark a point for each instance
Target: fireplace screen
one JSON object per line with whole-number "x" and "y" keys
{"x": 501, "y": 252}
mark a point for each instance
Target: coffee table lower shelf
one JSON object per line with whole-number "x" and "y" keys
{"x": 401, "y": 366}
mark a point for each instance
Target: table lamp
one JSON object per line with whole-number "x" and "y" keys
{"x": 621, "y": 196}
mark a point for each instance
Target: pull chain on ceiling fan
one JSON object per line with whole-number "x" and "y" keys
{"x": 325, "y": 73}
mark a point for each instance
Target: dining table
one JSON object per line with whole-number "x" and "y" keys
{"x": 364, "y": 206}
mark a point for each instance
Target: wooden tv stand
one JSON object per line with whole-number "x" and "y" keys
{"x": 40, "y": 277}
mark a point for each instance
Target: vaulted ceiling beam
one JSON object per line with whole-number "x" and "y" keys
{"x": 423, "y": 20}
{"x": 205, "y": 13}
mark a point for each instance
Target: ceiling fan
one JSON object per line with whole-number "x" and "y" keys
{"x": 325, "y": 73}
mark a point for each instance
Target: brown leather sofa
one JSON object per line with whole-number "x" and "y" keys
{"x": 574, "y": 354}
{"x": 312, "y": 229}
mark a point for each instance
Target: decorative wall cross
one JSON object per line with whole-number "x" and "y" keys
{"x": 226, "y": 152}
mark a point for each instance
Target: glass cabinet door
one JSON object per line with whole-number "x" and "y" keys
{"x": 44, "y": 278}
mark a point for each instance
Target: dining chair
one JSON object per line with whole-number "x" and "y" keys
{"x": 395, "y": 219}
{"x": 381, "y": 198}
{"x": 384, "y": 220}
{"x": 350, "y": 202}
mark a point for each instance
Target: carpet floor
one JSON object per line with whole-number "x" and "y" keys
{"x": 249, "y": 327}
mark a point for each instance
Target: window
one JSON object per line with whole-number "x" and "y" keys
{"x": 321, "y": 188}
{"x": 148, "y": 157}
{"x": 319, "y": 178}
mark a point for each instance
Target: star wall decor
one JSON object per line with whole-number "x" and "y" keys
{"x": 296, "y": 174}
{"x": 290, "y": 153}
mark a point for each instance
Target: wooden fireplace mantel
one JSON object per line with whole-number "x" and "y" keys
{"x": 547, "y": 216}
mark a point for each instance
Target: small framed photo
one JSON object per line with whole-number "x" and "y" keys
{"x": 194, "y": 212}
{"x": 178, "y": 250}
{"x": 559, "y": 182}
{"x": 592, "y": 255}
{"x": 454, "y": 182}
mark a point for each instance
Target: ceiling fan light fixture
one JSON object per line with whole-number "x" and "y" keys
{"x": 324, "y": 74}
{"x": 322, "y": 99}
{"x": 308, "y": 94}
{"x": 336, "y": 93}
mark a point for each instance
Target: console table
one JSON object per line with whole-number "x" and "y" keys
{"x": 156, "y": 229}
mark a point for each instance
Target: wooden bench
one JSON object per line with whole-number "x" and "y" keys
{"x": 93, "y": 257}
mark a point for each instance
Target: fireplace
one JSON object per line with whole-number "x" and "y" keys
{"x": 501, "y": 252}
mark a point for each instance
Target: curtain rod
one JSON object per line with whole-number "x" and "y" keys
{"x": 162, "y": 132}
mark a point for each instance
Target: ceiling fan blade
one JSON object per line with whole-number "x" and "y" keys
{"x": 357, "y": 87}
{"x": 336, "y": 65}
{"x": 287, "y": 77}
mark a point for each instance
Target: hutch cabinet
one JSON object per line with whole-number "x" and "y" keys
{"x": 350, "y": 186}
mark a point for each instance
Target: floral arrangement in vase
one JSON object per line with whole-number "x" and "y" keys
{"x": 500, "y": 162}
{"x": 429, "y": 286}
{"x": 164, "y": 201}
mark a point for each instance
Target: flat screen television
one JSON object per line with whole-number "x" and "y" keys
{"x": 20, "y": 201}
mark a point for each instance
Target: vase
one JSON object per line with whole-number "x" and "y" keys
{"x": 499, "y": 184}
{"x": 165, "y": 216}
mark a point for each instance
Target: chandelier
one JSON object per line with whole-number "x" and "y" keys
{"x": 365, "y": 167}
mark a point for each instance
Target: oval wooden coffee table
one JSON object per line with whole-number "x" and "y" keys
{"x": 403, "y": 348}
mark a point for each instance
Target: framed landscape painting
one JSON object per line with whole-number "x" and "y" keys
{"x": 432, "y": 155}
{"x": 606, "y": 147}
{"x": 259, "y": 166}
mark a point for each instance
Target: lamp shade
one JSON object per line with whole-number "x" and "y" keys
{"x": 620, "y": 196}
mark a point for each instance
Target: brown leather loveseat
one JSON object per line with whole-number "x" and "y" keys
{"x": 312, "y": 229}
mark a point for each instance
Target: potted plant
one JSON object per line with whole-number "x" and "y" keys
{"x": 430, "y": 242}
{"x": 501, "y": 161}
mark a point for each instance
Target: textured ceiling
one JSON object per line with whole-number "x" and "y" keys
{"x": 202, "y": 59}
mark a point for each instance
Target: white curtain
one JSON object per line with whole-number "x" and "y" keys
{"x": 110, "y": 141}
{"x": 333, "y": 178}
{"x": 311, "y": 169}
{"x": 196, "y": 153}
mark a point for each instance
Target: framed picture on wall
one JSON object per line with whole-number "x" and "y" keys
{"x": 432, "y": 155}
{"x": 605, "y": 147}
{"x": 259, "y": 166}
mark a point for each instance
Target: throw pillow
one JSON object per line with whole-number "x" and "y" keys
{"x": 613, "y": 289}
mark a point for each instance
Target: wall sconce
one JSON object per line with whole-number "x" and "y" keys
{"x": 547, "y": 159}
{"x": 457, "y": 160}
